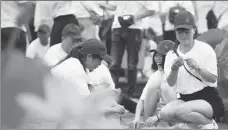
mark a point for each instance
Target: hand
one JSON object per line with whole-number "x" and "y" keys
{"x": 177, "y": 63}
{"x": 151, "y": 121}
{"x": 136, "y": 123}
{"x": 119, "y": 109}
{"x": 192, "y": 64}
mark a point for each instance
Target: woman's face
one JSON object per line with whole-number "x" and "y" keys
{"x": 158, "y": 58}
{"x": 91, "y": 63}
{"x": 185, "y": 36}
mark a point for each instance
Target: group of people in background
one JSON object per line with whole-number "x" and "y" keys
{"x": 84, "y": 44}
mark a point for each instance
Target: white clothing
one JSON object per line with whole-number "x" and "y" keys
{"x": 166, "y": 5}
{"x": 101, "y": 75}
{"x": 218, "y": 7}
{"x": 36, "y": 49}
{"x": 54, "y": 54}
{"x": 43, "y": 14}
{"x": 155, "y": 81}
{"x": 154, "y": 21}
{"x": 10, "y": 10}
{"x": 132, "y": 8}
{"x": 72, "y": 71}
{"x": 205, "y": 56}
{"x": 61, "y": 8}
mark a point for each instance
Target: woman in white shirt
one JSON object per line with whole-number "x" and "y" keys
{"x": 74, "y": 68}
{"x": 192, "y": 70}
{"x": 152, "y": 93}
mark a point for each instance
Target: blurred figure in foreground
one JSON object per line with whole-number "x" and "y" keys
{"x": 13, "y": 23}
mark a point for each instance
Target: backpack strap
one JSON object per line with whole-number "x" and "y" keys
{"x": 175, "y": 51}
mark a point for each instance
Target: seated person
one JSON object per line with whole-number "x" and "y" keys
{"x": 74, "y": 68}
{"x": 152, "y": 96}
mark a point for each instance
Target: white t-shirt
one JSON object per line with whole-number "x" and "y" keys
{"x": 72, "y": 71}
{"x": 10, "y": 10}
{"x": 101, "y": 75}
{"x": 43, "y": 14}
{"x": 154, "y": 81}
{"x": 54, "y": 54}
{"x": 153, "y": 21}
{"x": 205, "y": 56}
{"x": 61, "y": 8}
{"x": 132, "y": 8}
{"x": 37, "y": 50}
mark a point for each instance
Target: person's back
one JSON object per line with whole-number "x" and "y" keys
{"x": 72, "y": 71}
{"x": 54, "y": 55}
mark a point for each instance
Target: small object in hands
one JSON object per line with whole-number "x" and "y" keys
{"x": 126, "y": 20}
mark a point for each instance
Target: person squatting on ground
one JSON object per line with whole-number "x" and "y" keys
{"x": 191, "y": 68}
{"x": 75, "y": 66}
{"x": 153, "y": 98}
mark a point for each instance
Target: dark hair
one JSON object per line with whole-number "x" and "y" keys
{"x": 154, "y": 65}
{"x": 78, "y": 52}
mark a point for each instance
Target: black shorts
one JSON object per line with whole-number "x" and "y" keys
{"x": 211, "y": 95}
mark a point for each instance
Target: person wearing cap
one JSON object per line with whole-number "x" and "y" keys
{"x": 169, "y": 9}
{"x": 39, "y": 47}
{"x": 153, "y": 97}
{"x": 71, "y": 36}
{"x": 74, "y": 68}
{"x": 191, "y": 69}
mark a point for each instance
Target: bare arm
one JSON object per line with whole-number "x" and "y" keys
{"x": 139, "y": 109}
{"x": 172, "y": 78}
{"x": 207, "y": 75}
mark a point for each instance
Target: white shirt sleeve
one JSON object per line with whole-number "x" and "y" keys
{"x": 168, "y": 64}
{"x": 72, "y": 71}
{"x": 49, "y": 59}
{"x": 209, "y": 60}
{"x": 101, "y": 75}
{"x": 31, "y": 51}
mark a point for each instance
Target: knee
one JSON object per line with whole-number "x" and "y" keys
{"x": 182, "y": 112}
{"x": 167, "y": 114}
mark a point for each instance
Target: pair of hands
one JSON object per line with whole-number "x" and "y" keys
{"x": 177, "y": 63}
{"x": 150, "y": 122}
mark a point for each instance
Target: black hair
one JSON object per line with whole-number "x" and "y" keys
{"x": 78, "y": 52}
{"x": 154, "y": 65}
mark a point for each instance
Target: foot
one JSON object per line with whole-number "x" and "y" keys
{"x": 212, "y": 125}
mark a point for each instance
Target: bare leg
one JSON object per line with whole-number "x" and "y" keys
{"x": 167, "y": 113}
{"x": 197, "y": 112}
